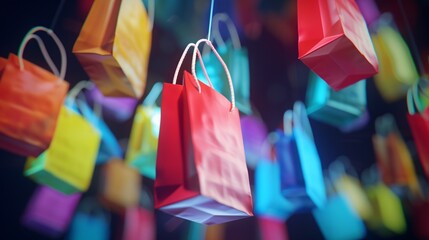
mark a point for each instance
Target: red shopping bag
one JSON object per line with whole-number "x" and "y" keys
{"x": 201, "y": 168}
{"x": 334, "y": 42}
{"x": 3, "y": 62}
{"x": 30, "y": 99}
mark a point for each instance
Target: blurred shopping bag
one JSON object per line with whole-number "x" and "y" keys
{"x": 387, "y": 217}
{"x": 269, "y": 201}
{"x": 49, "y": 211}
{"x": 68, "y": 164}
{"x": 345, "y": 181}
{"x": 30, "y": 99}
{"x": 393, "y": 157}
{"x": 272, "y": 229}
{"x": 113, "y": 108}
{"x": 300, "y": 168}
{"x": 90, "y": 222}
{"x": 369, "y": 11}
{"x": 114, "y": 47}
{"x": 121, "y": 185}
{"x": 254, "y": 134}
{"x": 338, "y": 220}
{"x": 109, "y": 145}
{"x": 419, "y": 125}
{"x": 334, "y": 42}
{"x": 345, "y": 108}
{"x": 397, "y": 71}
{"x": 235, "y": 57}
{"x": 139, "y": 221}
{"x": 201, "y": 171}
{"x": 143, "y": 143}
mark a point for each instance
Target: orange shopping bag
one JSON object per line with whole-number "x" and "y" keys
{"x": 114, "y": 46}
{"x": 31, "y": 99}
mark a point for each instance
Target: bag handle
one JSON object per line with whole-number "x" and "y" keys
{"x": 223, "y": 17}
{"x": 151, "y": 13}
{"x": 30, "y": 35}
{"x": 77, "y": 89}
{"x": 301, "y": 118}
{"x": 228, "y": 75}
{"x": 385, "y": 125}
{"x": 182, "y": 58}
{"x": 340, "y": 167}
{"x": 153, "y": 94}
{"x": 413, "y": 99}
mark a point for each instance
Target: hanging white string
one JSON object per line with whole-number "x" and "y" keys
{"x": 235, "y": 39}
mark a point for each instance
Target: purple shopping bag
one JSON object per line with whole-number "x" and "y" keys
{"x": 49, "y": 211}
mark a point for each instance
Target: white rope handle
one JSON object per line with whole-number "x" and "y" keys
{"x": 77, "y": 89}
{"x": 182, "y": 58}
{"x": 301, "y": 118}
{"x": 410, "y": 106}
{"x": 45, "y": 54}
{"x": 223, "y": 17}
{"x": 30, "y": 35}
{"x": 151, "y": 13}
{"x": 228, "y": 75}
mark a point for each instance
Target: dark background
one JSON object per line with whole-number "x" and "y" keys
{"x": 278, "y": 79}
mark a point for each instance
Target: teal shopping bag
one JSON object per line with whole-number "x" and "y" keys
{"x": 235, "y": 57}
{"x": 300, "y": 168}
{"x": 345, "y": 109}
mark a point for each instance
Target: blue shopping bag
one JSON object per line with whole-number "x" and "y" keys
{"x": 300, "y": 168}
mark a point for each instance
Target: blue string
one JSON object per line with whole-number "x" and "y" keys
{"x": 210, "y": 21}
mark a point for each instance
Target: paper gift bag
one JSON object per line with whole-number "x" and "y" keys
{"x": 235, "y": 57}
{"x": 419, "y": 125}
{"x": 114, "y": 47}
{"x": 419, "y": 218}
{"x": 68, "y": 164}
{"x": 254, "y": 135}
{"x": 338, "y": 220}
{"x": 109, "y": 145}
{"x": 139, "y": 224}
{"x": 388, "y": 215}
{"x": 143, "y": 143}
{"x": 344, "y": 181}
{"x": 300, "y": 168}
{"x": 30, "y": 99}
{"x": 3, "y": 62}
{"x": 272, "y": 229}
{"x": 397, "y": 71}
{"x": 269, "y": 201}
{"x": 334, "y": 42}
{"x": 369, "y": 11}
{"x": 50, "y": 211}
{"x": 115, "y": 108}
{"x": 90, "y": 222}
{"x": 201, "y": 172}
{"x": 337, "y": 108}
{"x": 393, "y": 157}
{"x": 121, "y": 185}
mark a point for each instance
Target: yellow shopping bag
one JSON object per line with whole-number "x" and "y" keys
{"x": 143, "y": 143}
{"x": 397, "y": 71}
{"x": 68, "y": 164}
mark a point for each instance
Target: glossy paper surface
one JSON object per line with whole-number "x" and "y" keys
{"x": 334, "y": 42}
{"x": 30, "y": 102}
{"x": 114, "y": 46}
{"x": 50, "y": 211}
{"x": 214, "y": 185}
{"x": 68, "y": 164}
